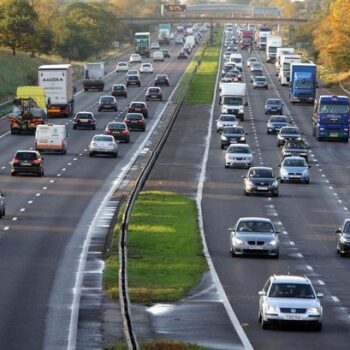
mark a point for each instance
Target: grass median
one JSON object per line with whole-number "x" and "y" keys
{"x": 161, "y": 345}
{"x": 202, "y": 86}
{"x": 165, "y": 256}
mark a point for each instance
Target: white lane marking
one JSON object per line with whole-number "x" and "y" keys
{"x": 310, "y": 268}
{"x": 64, "y": 169}
{"x": 80, "y": 154}
{"x": 30, "y": 202}
{"x": 345, "y": 208}
{"x": 321, "y": 283}
{"x": 14, "y": 218}
{"x": 299, "y": 255}
{"x": 69, "y": 163}
{"x": 58, "y": 175}
{"x": 45, "y": 188}
{"x": 6, "y": 228}
{"x": 3, "y": 167}
{"x": 52, "y": 181}
{"x": 335, "y": 299}
{"x": 231, "y": 314}
{"x": 22, "y": 209}
{"x": 37, "y": 195}
{"x": 75, "y": 158}
{"x": 292, "y": 243}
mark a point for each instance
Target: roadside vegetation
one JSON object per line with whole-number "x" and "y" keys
{"x": 165, "y": 256}
{"x": 161, "y": 345}
{"x": 202, "y": 87}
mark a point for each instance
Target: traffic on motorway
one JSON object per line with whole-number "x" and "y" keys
{"x": 281, "y": 116}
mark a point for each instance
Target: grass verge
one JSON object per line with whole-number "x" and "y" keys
{"x": 164, "y": 253}
{"x": 161, "y": 345}
{"x": 202, "y": 86}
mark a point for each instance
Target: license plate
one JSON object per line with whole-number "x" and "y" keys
{"x": 134, "y": 122}
{"x": 334, "y": 134}
{"x": 293, "y": 317}
{"x": 154, "y": 96}
{"x": 137, "y": 109}
{"x": 262, "y": 188}
{"x": 233, "y": 141}
{"x": 294, "y": 176}
{"x": 256, "y": 247}
{"x": 83, "y": 120}
{"x": 25, "y": 164}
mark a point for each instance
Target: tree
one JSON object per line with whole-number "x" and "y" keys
{"x": 17, "y": 24}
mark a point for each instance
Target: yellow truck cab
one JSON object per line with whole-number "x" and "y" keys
{"x": 37, "y": 93}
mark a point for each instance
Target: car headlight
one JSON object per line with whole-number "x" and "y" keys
{"x": 219, "y": 124}
{"x": 271, "y": 309}
{"x": 237, "y": 241}
{"x": 249, "y": 183}
{"x": 275, "y": 183}
{"x": 314, "y": 310}
{"x": 223, "y": 138}
{"x": 305, "y": 172}
{"x": 280, "y": 137}
{"x": 269, "y": 125}
{"x": 321, "y": 129}
{"x": 242, "y": 138}
{"x": 241, "y": 110}
{"x": 284, "y": 172}
{"x": 273, "y": 243}
{"x": 298, "y": 138}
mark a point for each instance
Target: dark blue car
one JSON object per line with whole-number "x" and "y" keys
{"x": 273, "y": 106}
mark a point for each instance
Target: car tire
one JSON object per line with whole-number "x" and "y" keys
{"x": 264, "y": 324}
{"x": 91, "y": 154}
{"x": 281, "y": 181}
{"x": 307, "y": 182}
{"x": 318, "y": 327}
{"x": 74, "y": 127}
{"x": 127, "y": 140}
{"x": 246, "y": 193}
{"x": 232, "y": 253}
{"x": 226, "y": 166}
{"x": 99, "y": 110}
{"x": 222, "y": 146}
{"x": 275, "y": 194}
{"x": 276, "y": 256}
{"x": 115, "y": 155}
{"x": 342, "y": 254}
{"x": 13, "y": 173}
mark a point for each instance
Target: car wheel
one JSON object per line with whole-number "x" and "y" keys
{"x": 276, "y": 256}
{"x": 264, "y": 324}
{"x": 318, "y": 327}
{"x": 222, "y": 146}
{"x": 74, "y": 127}
{"x": 115, "y": 155}
{"x": 226, "y": 166}
{"x": 342, "y": 254}
{"x": 246, "y": 193}
{"x": 126, "y": 95}
{"x": 127, "y": 140}
{"x": 40, "y": 174}
{"x": 99, "y": 110}
{"x": 94, "y": 127}
{"x": 232, "y": 253}
{"x": 275, "y": 194}
{"x": 91, "y": 154}
{"x": 282, "y": 181}
{"x": 307, "y": 181}
{"x": 13, "y": 173}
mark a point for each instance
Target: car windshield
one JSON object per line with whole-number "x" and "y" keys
{"x": 332, "y": 108}
{"x": 261, "y": 173}
{"x": 291, "y": 290}
{"x": 233, "y": 101}
{"x": 278, "y": 120}
{"x": 273, "y": 102}
{"x": 137, "y": 105}
{"x": 133, "y": 77}
{"x": 118, "y": 87}
{"x": 295, "y": 162}
{"x": 255, "y": 226}
{"x": 107, "y": 99}
{"x": 161, "y": 76}
{"x": 116, "y": 126}
{"x": 228, "y": 118}
{"x": 131, "y": 72}
{"x": 146, "y": 65}
{"x": 290, "y": 131}
{"x": 134, "y": 116}
{"x": 347, "y": 227}
{"x": 260, "y": 79}
{"x": 121, "y": 64}
{"x": 304, "y": 84}
{"x": 239, "y": 149}
{"x": 26, "y": 156}
{"x": 103, "y": 138}
{"x": 233, "y": 131}
{"x": 84, "y": 116}
{"x": 153, "y": 90}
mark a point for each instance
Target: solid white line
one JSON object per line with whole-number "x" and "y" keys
{"x": 321, "y": 283}
{"x": 310, "y": 268}
{"x": 231, "y": 314}
{"x": 335, "y": 299}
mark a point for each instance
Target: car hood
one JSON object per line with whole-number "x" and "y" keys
{"x": 239, "y": 155}
{"x": 293, "y": 302}
{"x": 278, "y": 125}
{"x": 273, "y": 106}
{"x": 251, "y": 236}
{"x": 290, "y": 136}
{"x": 294, "y": 169}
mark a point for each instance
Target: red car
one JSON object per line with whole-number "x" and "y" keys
{"x": 154, "y": 93}
{"x": 119, "y": 130}
{"x": 138, "y": 107}
{"x": 135, "y": 121}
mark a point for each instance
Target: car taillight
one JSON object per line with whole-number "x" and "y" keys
{"x": 108, "y": 131}
{"x": 141, "y": 120}
{"x": 15, "y": 161}
{"x": 36, "y": 161}
{"x": 126, "y": 120}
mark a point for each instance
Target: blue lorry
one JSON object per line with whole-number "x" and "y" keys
{"x": 331, "y": 118}
{"x": 302, "y": 86}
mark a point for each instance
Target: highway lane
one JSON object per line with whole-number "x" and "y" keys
{"x": 306, "y": 215}
{"x": 43, "y": 215}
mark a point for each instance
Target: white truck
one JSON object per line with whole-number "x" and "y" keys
{"x": 93, "y": 76}
{"x": 233, "y": 99}
{"x": 272, "y": 43}
{"x": 190, "y": 40}
{"x": 286, "y": 60}
{"x": 280, "y": 52}
{"x": 57, "y": 80}
{"x": 51, "y": 138}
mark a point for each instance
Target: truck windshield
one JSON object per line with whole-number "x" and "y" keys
{"x": 333, "y": 108}
{"x": 304, "y": 84}
{"x": 286, "y": 66}
{"x": 233, "y": 101}
{"x": 272, "y": 49}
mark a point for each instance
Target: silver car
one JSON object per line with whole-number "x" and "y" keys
{"x": 287, "y": 298}
{"x": 238, "y": 155}
{"x": 260, "y": 82}
{"x": 103, "y": 144}
{"x": 226, "y": 120}
{"x": 254, "y": 235}
{"x": 295, "y": 169}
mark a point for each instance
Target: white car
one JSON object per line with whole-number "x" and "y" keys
{"x": 146, "y": 68}
{"x": 238, "y": 155}
{"x": 122, "y": 67}
{"x": 226, "y": 120}
{"x": 250, "y": 60}
{"x": 135, "y": 58}
{"x": 158, "y": 56}
{"x": 288, "y": 298}
{"x": 155, "y": 46}
{"x": 103, "y": 144}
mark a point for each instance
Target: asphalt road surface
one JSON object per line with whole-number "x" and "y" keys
{"x": 47, "y": 218}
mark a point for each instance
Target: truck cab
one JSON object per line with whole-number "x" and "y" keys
{"x": 233, "y": 99}
{"x": 331, "y": 118}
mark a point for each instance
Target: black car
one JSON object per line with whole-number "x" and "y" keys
{"x": 343, "y": 238}
{"x": 288, "y": 133}
{"x": 135, "y": 121}
{"x": 27, "y": 162}
{"x": 260, "y": 180}
{"x": 85, "y": 120}
{"x": 119, "y": 90}
{"x": 166, "y": 53}
{"x": 234, "y": 134}
{"x": 275, "y": 123}
{"x": 182, "y": 55}
{"x": 161, "y": 79}
{"x": 2, "y": 204}
{"x": 133, "y": 80}
{"x": 107, "y": 103}
{"x": 138, "y": 107}
{"x": 154, "y": 93}
{"x": 119, "y": 130}
{"x": 296, "y": 148}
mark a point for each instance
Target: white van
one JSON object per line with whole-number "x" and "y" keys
{"x": 51, "y": 138}
{"x": 158, "y": 56}
{"x": 236, "y": 58}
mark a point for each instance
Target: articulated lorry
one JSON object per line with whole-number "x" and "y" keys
{"x": 93, "y": 76}
{"x": 286, "y": 60}
{"x": 233, "y": 99}
{"x": 57, "y": 80}
{"x": 331, "y": 118}
{"x": 302, "y": 86}
{"x": 281, "y": 51}
{"x": 29, "y": 109}
{"x": 142, "y": 43}
{"x": 272, "y": 43}
{"x": 164, "y": 34}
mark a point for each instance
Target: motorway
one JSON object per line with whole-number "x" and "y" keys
{"x": 306, "y": 216}
{"x": 43, "y": 232}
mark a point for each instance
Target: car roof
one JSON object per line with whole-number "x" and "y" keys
{"x": 27, "y": 151}
{"x": 290, "y": 127}
{"x": 256, "y": 218}
{"x": 87, "y": 112}
{"x": 274, "y": 99}
{"x": 111, "y": 136}
{"x": 290, "y": 279}
{"x": 138, "y": 102}
{"x": 233, "y": 145}
{"x": 260, "y": 168}
{"x": 294, "y": 157}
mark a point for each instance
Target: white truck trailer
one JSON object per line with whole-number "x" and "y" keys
{"x": 233, "y": 99}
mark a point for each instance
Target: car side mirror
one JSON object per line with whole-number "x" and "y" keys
{"x": 279, "y": 165}
{"x": 338, "y": 230}
{"x": 278, "y": 178}
{"x": 261, "y": 293}
{"x": 244, "y": 176}
{"x": 246, "y": 104}
{"x": 3, "y": 194}
{"x": 320, "y": 295}
{"x": 247, "y": 133}
{"x": 42, "y": 158}
{"x": 309, "y": 166}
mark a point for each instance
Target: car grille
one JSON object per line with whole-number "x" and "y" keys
{"x": 288, "y": 310}
{"x": 255, "y": 242}
{"x": 232, "y": 111}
